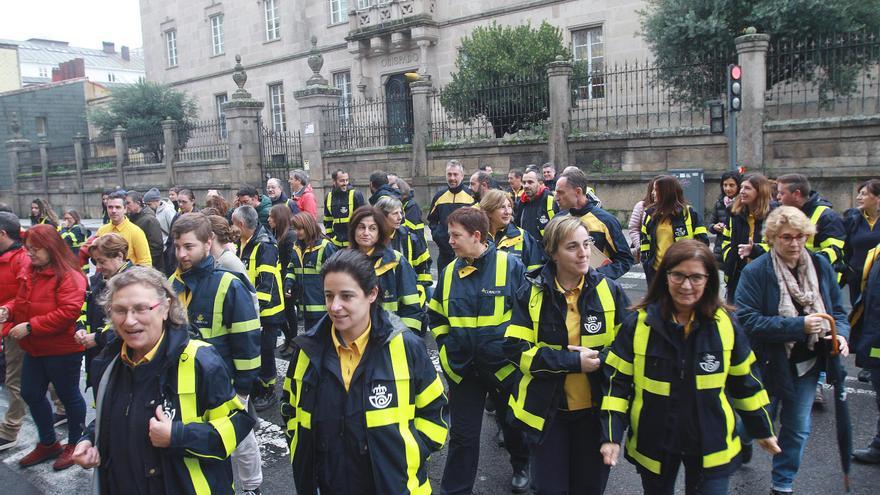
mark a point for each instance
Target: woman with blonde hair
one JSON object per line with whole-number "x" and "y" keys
{"x": 507, "y": 236}
{"x": 782, "y": 300}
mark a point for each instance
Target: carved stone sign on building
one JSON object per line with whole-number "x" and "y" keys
{"x": 399, "y": 59}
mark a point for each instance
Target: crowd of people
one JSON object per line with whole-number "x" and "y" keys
{"x": 180, "y": 322}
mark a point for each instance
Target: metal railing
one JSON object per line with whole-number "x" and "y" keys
{"x": 472, "y": 114}
{"x": 62, "y": 159}
{"x": 99, "y": 153}
{"x": 642, "y": 96}
{"x": 29, "y": 163}
{"x": 371, "y": 123}
{"x": 824, "y": 77}
{"x": 281, "y": 151}
{"x": 145, "y": 148}
{"x": 204, "y": 140}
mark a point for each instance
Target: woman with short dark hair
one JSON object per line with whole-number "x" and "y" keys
{"x": 363, "y": 404}
{"x": 302, "y": 285}
{"x": 730, "y": 182}
{"x": 678, "y": 368}
{"x": 862, "y": 234}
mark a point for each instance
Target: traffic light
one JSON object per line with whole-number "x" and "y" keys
{"x": 716, "y": 116}
{"x": 734, "y": 87}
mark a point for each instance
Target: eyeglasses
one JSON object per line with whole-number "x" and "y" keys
{"x": 796, "y": 238}
{"x": 696, "y": 279}
{"x": 137, "y": 309}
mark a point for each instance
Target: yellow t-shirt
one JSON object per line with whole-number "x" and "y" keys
{"x": 751, "y": 227}
{"x": 124, "y": 353}
{"x": 138, "y": 248}
{"x": 665, "y": 239}
{"x": 577, "y": 387}
{"x": 350, "y": 357}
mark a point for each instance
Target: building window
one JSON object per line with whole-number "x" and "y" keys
{"x": 276, "y": 99}
{"x": 217, "y": 34}
{"x": 589, "y": 50}
{"x": 338, "y": 11}
{"x": 171, "y": 47}
{"x": 365, "y": 4}
{"x": 273, "y": 26}
{"x": 111, "y": 77}
{"x": 342, "y": 81}
{"x": 44, "y": 72}
{"x": 219, "y": 100}
{"x": 42, "y": 126}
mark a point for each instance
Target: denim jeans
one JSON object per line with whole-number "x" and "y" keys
{"x": 794, "y": 420}
{"x": 63, "y": 372}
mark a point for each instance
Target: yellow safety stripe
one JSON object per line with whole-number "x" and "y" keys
{"x": 391, "y": 306}
{"x": 315, "y": 307}
{"x": 400, "y": 368}
{"x": 413, "y": 323}
{"x": 186, "y": 391}
{"x": 444, "y": 362}
{"x": 410, "y": 299}
{"x": 743, "y": 368}
{"x": 753, "y": 403}
{"x": 431, "y": 393}
{"x": 245, "y": 326}
{"x": 875, "y": 352}
{"x": 301, "y": 417}
{"x": 520, "y": 332}
{"x": 200, "y": 483}
{"x": 640, "y": 344}
{"x": 714, "y": 380}
{"x": 435, "y": 432}
{"x": 226, "y": 429}
{"x": 390, "y": 415}
{"x": 504, "y": 372}
{"x": 734, "y": 446}
{"x": 440, "y": 330}
{"x": 619, "y": 363}
{"x": 219, "y": 297}
{"x": 615, "y": 404}
{"x": 247, "y": 364}
{"x": 518, "y": 405}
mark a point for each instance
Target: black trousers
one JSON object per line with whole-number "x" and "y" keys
{"x": 292, "y": 322}
{"x": 466, "y": 402}
{"x": 696, "y": 482}
{"x": 568, "y": 461}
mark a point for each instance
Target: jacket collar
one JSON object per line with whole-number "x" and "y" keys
{"x": 13, "y": 247}
{"x": 587, "y": 208}
{"x": 385, "y": 190}
{"x": 204, "y": 268}
{"x": 282, "y": 199}
{"x": 541, "y": 192}
{"x": 384, "y": 326}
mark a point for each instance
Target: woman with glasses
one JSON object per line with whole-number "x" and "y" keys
{"x": 668, "y": 220}
{"x": 167, "y": 417}
{"x": 108, "y": 252}
{"x": 411, "y": 245}
{"x": 780, "y": 298}
{"x": 369, "y": 232}
{"x": 564, "y": 316}
{"x": 678, "y": 367}
{"x": 41, "y": 319}
{"x": 742, "y": 238}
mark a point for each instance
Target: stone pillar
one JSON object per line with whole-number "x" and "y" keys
{"x": 243, "y": 128}
{"x": 752, "y": 52}
{"x": 14, "y": 146}
{"x": 558, "y": 75}
{"x": 421, "y": 102}
{"x": 79, "y": 157}
{"x": 317, "y": 95}
{"x": 44, "y": 164}
{"x": 121, "y": 153}
{"x": 169, "y": 135}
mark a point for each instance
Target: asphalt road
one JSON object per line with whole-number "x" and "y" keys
{"x": 820, "y": 472}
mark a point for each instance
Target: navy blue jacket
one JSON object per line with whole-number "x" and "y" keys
{"x": 757, "y": 302}
{"x": 860, "y": 238}
{"x": 200, "y": 449}
{"x": 608, "y": 237}
{"x": 866, "y": 315}
{"x": 303, "y": 280}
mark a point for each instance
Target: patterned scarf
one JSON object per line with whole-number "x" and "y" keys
{"x": 801, "y": 287}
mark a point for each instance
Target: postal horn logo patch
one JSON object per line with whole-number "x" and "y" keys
{"x": 709, "y": 363}
{"x": 680, "y": 232}
{"x": 381, "y": 397}
{"x": 592, "y": 325}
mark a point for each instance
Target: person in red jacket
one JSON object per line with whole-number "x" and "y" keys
{"x": 42, "y": 319}
{"x": 301, "y": 192}
{"x": 13, "y": 263}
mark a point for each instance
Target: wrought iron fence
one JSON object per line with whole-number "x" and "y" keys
{"x": 643, "y": 95}
{"x": 62, "y": 159}
{"x": 204, "y": 140}
{"x": 146, "y": 148}
{"x": 368, "y": 123}
{"x": 466, "y": 114}
{"x": 99, "y": 153}
{"x": 281, "y": 153}
{"x": 823, "y": 77}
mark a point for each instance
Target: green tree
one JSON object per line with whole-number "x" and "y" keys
{"x": 502, "y": 76}
{"x": 140, "y": 108}
{"x": 687, "y": 36}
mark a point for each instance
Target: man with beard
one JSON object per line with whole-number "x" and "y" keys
{"x": 339, "y": 206}
{"x": 536, "y": 206}
{"x": 480, "y": 183}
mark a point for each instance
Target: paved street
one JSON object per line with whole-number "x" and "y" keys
{"x": 820, "y": 473}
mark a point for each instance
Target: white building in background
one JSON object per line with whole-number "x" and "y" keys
{"x": 367, "y": 44}
{"x": 105, "y": 65}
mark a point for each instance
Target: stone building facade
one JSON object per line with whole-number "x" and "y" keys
{"x": 366, "y": 44}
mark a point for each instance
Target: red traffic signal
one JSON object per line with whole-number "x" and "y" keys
{"x": 734, "y": 87}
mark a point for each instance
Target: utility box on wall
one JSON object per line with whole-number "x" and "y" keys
{"x": 693, "y": 183}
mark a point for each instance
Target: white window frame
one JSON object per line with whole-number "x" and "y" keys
{"x": 338, "y": 11}
{"x": 272, "y": 20}
{"x": 171, "y": 47}
{"x": 277, "y": 107}
{"x": 219, "y": 100}
{"x": 43, "y": 71}
{"x": 217, "y": 34}
{"x": 342, "y": 81}
{"x": 41, "y": 122}
{"x": 366, "y": 4}
{"x": 596, "y": 89}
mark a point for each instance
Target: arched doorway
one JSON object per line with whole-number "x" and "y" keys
{"x": 398, "y": 108}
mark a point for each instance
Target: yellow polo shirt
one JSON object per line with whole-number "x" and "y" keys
{"x": 665, "y": 239}
{"x": 124, "y": 353}
{"x": 350, "y": 357}
{"x": 138, "y": 249}
{"x": 577, "y": 387}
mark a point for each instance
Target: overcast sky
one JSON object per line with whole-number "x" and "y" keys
{"x": 83, "y": 23}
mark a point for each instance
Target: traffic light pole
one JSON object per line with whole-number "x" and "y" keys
{"x": 731, "y": 141}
